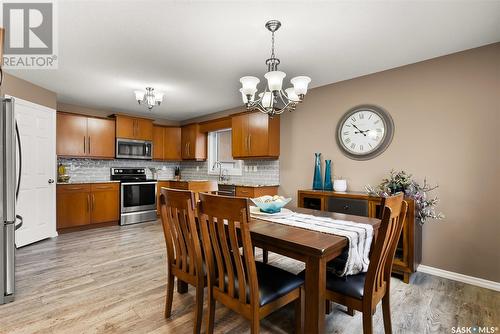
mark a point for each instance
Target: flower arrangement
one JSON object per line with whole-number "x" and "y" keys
{"x": 402, "y": 181}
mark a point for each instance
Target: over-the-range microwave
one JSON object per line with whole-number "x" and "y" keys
{"x": 134, "y": 149}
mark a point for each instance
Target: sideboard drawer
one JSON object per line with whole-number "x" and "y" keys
{"x": 348, "y": 206}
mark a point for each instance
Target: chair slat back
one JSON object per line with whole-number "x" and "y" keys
{"x": 220, "y": 217}
{"x": 379, "y": 271}
{"x": 179, "y": 227}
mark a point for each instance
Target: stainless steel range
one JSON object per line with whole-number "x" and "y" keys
{"x": 138, "y": 195}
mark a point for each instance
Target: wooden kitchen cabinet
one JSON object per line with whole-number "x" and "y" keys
{"x": 101, "y": 137}
{"x": 255, "y": 135}
{"x": 134, "y": 128}
{"x": 82, "y": 136}
{"x": 73, "y": 205}
{"x": 166, "y": 143}
{"x": 158, "y": 142}
{"x": 71, "y": 136}
{"x": 83, "y": 205}
{"x": 253, "y": 192}
{"x": 193, "y": 143}
{"x": 105, "y": 202}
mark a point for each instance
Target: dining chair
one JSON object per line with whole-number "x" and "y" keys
{"x": 363, "y": 292}
{"x": 252, "y": 289}
{"x": 184, "y": 253}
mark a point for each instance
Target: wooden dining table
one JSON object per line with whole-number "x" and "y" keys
{"x": 313, "y": 248}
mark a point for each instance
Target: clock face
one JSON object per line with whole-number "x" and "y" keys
{"x": 364, "y": 132}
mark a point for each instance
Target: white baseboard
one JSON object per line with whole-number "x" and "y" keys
{"x": 483, "y": 283}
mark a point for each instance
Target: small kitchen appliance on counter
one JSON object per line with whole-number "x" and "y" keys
{"x": 138, "y": 195}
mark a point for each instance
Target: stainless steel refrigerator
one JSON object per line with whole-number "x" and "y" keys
{"x": 10, "y": 180}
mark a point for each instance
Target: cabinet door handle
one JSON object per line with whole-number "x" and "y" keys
{"x": 249, "y": 142}
{"x": 89, "y": 144}
{"x": 75, "y": 188}
{"x": 84, "y": 145}
{"x": 88, "y": 203}
{"x": 93, "y": 202}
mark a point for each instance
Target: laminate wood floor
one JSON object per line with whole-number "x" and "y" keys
{"x": 112, "y": 280}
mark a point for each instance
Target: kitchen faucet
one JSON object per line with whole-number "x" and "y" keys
{"x": 223, "y": 173}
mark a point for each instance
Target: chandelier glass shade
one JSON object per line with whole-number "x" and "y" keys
{"x": 149, "y": 98}
{"x": 274, "y": 100}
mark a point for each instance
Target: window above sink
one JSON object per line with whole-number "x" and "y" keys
{"x": 220, "y": 151}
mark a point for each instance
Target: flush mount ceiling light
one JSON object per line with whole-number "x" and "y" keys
{"x": 149, "y": 98}
{"x": 273, "y": 101}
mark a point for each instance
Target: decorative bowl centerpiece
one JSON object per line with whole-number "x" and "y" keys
{"x": 270, "y": 204}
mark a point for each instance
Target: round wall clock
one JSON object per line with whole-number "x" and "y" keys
{"x": 364, "y": 132}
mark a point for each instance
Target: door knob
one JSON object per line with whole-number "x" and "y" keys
{"x": 51, "y": 181}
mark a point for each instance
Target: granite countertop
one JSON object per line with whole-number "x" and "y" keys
{"x": 238, "y": 184}
{"x": 88, "y": 182}
{"x": 252, "y": 185}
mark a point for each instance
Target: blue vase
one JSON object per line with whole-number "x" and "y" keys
{"x": 328, "y": 175}
{"x": 317, "y": 184}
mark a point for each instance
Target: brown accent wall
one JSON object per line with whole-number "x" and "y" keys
{"x": 447, "y": 128}
{"x": 27, "y": 91}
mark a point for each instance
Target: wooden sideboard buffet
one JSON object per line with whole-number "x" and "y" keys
{"x": 409, "y": 251}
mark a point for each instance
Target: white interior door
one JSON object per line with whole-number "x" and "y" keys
{"x": 37, "y": 195}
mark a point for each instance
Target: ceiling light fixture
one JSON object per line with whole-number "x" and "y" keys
{"x": 149, "y": 98}
{"x": 273, "y": 101}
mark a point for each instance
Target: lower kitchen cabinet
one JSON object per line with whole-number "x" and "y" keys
{"x": 105, "y": 203}
{"x": 82, "y": 205}
{"x": 73, "y": 205}
{"x": 252, "y": 192}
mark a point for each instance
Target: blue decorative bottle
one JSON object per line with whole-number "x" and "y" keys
{"x": 317, "y": 184}
{"x": 328, "y": 175}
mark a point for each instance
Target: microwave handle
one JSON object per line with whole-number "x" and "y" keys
{"x": 147, "y": 149}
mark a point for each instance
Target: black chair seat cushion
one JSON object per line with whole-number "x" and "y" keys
{"x": 274, "y": 283}
{"x": 352, "y": 285}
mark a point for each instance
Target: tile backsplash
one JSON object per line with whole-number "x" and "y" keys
{"x": 254, "y": 171}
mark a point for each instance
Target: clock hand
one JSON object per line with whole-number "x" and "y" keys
{"x": 360, "y": 131}
{"x": 356, "y": 127}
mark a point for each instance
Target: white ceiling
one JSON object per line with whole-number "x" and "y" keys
{"x": 195, "y": 51}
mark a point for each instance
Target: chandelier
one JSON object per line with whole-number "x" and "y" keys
{"x": 273, "y": 101}
{"x": 149, "y": 98}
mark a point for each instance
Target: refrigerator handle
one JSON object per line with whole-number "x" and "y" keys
{"x": 18, "y": 136}
{"x": 18, "y": 226}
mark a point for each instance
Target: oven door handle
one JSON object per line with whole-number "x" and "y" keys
{"x": 136, "y": 183}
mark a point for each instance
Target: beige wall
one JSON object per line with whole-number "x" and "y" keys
{"x": 27, "y": 91}
{"x": 447, "y": 127}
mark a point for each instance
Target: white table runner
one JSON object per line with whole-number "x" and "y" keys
{"x": 359, "y": 236}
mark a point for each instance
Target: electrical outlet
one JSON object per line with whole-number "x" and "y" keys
{"x": 197, "y": 168}
{"x": 246, "y": 168}
{"x": 255, "y": 168}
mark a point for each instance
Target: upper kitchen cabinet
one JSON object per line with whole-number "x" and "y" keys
{"x": 101, "y": 134}
{"x": 81, "y": 136}
{"x": 193, "y": 143}
{"x": 134, "y": 128}
{"x": 255, "y": 135}
{"x": 166, "y": 143}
